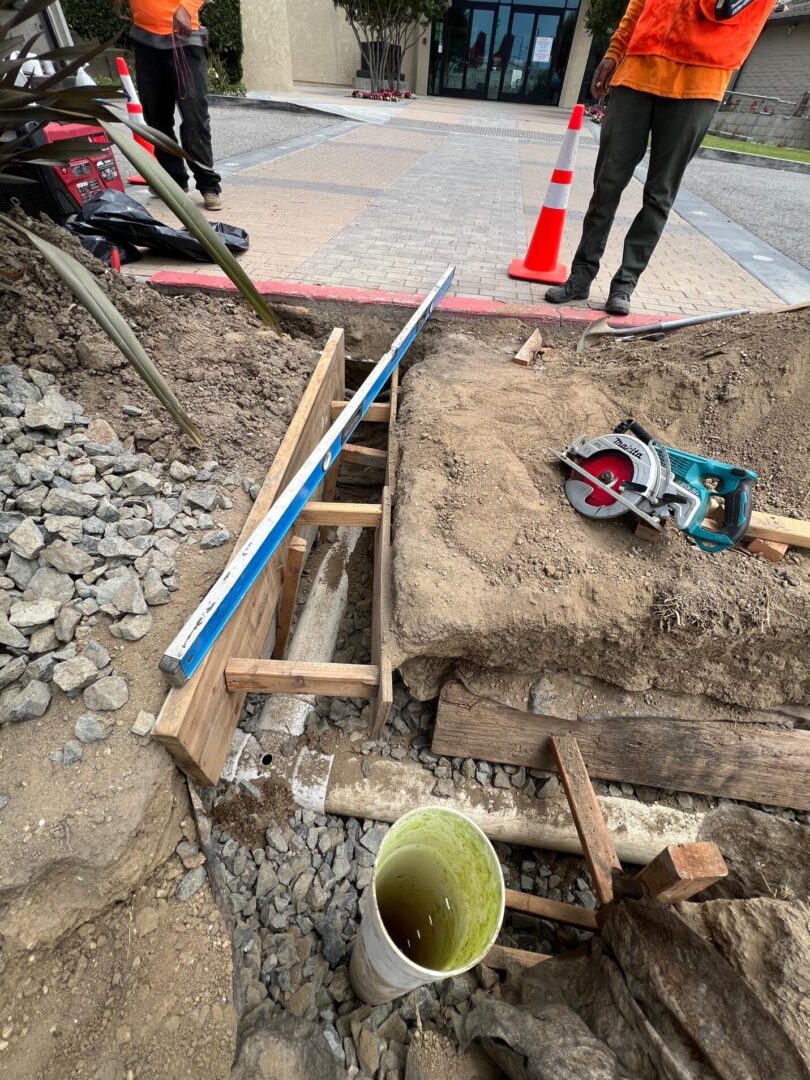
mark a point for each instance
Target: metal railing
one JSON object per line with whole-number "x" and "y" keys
{"x": 764, "y": 105}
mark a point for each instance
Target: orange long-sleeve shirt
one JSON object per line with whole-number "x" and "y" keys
{"x": 156, "y": 16}
{"x": 657, "y": 74}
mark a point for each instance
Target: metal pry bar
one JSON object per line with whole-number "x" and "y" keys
{"x": 653, "y": 522}
{"x": 189, "y": 648}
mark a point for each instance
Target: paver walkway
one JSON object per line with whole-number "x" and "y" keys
{"x": 390, "y": 203}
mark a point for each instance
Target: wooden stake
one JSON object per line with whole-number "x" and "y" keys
{"x": 381, "y": 618}
{"x": 296, "y": 554}
{"x": 682, "y": 870}
{"x": 647, "y": 533}
{"x": 768, "y": 549}
{"x": 502, "y": 958}
{"x": 357, "y": 515}
{"x": 569, "y": 914}
{"x": 353, "y": 454}
{"x": 795, "y": 532}
{"x": 379, "y": 413}
{"x": 298, "y": 677}
{"x": 526, "y": 354}
{"x": 587, "y": 813}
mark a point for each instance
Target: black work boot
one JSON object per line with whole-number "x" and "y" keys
{"x": 618, "y": 302}
{"x": 573, "y": 289}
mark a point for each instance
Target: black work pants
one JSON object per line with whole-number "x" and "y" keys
{"x": 169, "y": 78}
{"x": 675, "y": 129}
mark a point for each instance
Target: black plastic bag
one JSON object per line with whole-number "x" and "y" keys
{"x": 102, "y": 246}
{"x": 122, "y": 218}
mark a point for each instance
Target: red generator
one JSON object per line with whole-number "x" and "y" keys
{"x": 60, "y": 190}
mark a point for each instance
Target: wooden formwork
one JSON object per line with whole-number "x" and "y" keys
{"x": 197, "y": 721}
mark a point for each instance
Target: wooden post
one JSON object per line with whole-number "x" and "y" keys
{"x": 587, "y": 814}
{"x": 569, "y": 914}
{"x": 301, "y": 677}
{"x": 296, "y": 555}
{"x": 682, "y": 870}
{"x": 502, "y": 958}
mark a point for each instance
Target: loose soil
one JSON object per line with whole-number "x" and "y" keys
{"x": 492, "y": 565}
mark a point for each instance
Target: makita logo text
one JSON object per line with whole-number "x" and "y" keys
{"x": 630, "y": 449}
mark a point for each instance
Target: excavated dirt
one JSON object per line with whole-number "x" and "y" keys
{"x": 493, "y": 566}
{"x": 237, "y": 379}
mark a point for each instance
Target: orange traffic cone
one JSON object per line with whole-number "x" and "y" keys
{"x": 541, "y": 261}
{"x": 135, "y": 112}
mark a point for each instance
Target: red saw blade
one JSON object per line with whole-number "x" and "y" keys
{"x": 612, "y": 468}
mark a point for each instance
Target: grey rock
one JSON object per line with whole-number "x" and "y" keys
{"x": 4, "y": 801}
{"x": 66, "y": 622}
{"x": 67, "y": 558}
{"x": 31, "y": 615}
{"x": 181, "y": 472}
{"x": 131, "y": 410}
{"x": 133, "y": 527}
{"x": 10, "y": 636}
{"x": 371, "y": 839}
{"x": 123, "y": 592}
{"x": 132, "y": 627}
{"x": 12, "y": 671}
{"x": 51, "y": 414}
{"x": 72, "y": 752}
{"x": 163, "y": 513}
{"x": 29, "y": 703}
{"x": 267, "y": 881}
{"x": 8, "y": 523}
{"x": 116, "y": 547}
{"x": 69, "y": 501}
{"x": 107, "y": 511}
{"x": 107, "y": 695}
{"x": 190, "y": 883}
{"x": 49, "y": 584}
{"x": 685, "y": 800}
{"x": 203, "y": 497}
{"x": 95, "y": 652}
{"x": 27, "y": 540}
{"x": 43, "y": 640}
{"x": 144, "y": 722}
{"x": 275, "y": 839}
{"x": 74, "y": 675}
{"x": 215, "y": 538}
{"x": 32, "y": 500}
{"x": 154, "y": 591}
{"x": 20, "y": 570}
{"x": 501, "y": 779}
{"x": 141, "y": 482}
{"x": 89, "y": 728}
{"x": 42, "y": 668}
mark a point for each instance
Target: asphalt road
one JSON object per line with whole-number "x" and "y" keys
{"x": 239, "y": 130}
{"x": 770, "y": 203}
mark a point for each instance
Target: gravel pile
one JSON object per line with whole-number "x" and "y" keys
{"x": 88, "y": 528}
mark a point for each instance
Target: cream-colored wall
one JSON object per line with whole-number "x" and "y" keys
{"x": 267, "y": 58}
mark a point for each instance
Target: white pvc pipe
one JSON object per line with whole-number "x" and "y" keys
{"x": 433, "y": 909}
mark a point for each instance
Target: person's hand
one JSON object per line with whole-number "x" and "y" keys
{"x": 181, "y": 24}
{"x": 600, "y": 84}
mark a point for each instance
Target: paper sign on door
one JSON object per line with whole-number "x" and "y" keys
{"x": 542, "y": 50}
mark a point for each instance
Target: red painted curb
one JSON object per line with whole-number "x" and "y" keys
{"x": 468, "y": 306}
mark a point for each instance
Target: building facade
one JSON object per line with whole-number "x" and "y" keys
{"x": 530, "y": 51}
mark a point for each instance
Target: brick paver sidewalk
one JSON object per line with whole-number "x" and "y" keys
{"x": 390, "y": 205}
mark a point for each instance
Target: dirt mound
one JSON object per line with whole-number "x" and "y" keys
{"x": 236, "y": 378}
{"x": 493, "y": 565}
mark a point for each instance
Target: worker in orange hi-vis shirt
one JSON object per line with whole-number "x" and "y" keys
{"x": 171, "y": 70}
{"x": 667, "y": 67}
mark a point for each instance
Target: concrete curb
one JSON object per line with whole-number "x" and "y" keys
{"x": 232, "y": 101}
{"x": 459, "y": 306}
{"x": 759, "y": 161}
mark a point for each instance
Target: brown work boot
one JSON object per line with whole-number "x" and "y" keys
{"x": 212, "y": 200}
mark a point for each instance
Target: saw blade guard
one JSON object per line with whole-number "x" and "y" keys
{"x": 622, "y": 462}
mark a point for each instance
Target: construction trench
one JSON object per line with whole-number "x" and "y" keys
{"x": 445, "y": 631}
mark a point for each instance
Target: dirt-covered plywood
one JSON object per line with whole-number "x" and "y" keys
{"x": 492, "y": 565}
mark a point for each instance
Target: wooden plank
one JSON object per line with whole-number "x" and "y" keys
{"x": 795, "y": 532}
{"x": 300, "y": 677}
{"x": 353, "y": 454}
{"x": 296, "y": 555}
{"x": 358, "y": 515}
{"x": 197, "y": 720}
{"x": 768, "y": 549}
{"x": 381, "y": 618}
{"x": 597, "y": 844}
{"x": 569, "y": 914}
{"x": 502, "y": 958}
{"x": 682, "y": 871}
{"x": 379, "y": 413}
{"x": 713, "y": 757}
{"x": 527, "y": 353}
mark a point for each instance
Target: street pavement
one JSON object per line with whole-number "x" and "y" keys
{"x": 390, "y": 203}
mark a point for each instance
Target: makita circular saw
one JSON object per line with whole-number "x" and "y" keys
{"x": 630, "y": 471}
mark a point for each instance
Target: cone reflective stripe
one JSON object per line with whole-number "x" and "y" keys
{"x": 135, "y": 112}
{"x": 542, "y": 258}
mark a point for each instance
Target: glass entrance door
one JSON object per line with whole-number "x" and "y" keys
{"x": 529, "y": 53}
{"x": 466, "y": 50}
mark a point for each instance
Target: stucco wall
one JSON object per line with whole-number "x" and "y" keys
{"x": 779, "y": 64}
{"x": 267, "y": 59}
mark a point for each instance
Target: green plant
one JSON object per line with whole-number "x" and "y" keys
{"x": 395, "y": 25}
{"x": 223, "y": 18}
{"x": 51, "y": 100}
{"x": 219, "y": 81}
{"x": 604, "y": 16}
